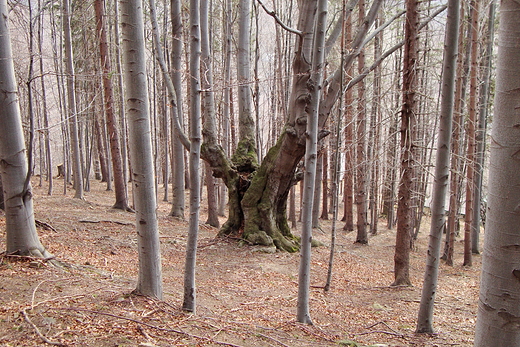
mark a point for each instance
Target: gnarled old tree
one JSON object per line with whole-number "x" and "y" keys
{"x": 258, "y": 193}
{"x": 258, "y": 196}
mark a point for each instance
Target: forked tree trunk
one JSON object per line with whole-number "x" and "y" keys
{"x": 499, "y": 301}
{"x": 21, "y": 235}
{"x": 149, "y": 282}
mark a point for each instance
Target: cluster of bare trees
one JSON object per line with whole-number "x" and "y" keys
{"x": 296, "y": 118}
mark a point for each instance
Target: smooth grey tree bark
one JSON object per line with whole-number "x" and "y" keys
{"x": 480, "y": 135}
{"x": 442, "y": 169}
{"x": 315, "y": 85}
{"x": 208, "y": 98}
{"x": 21, "y": 236}
{"x": 71, "y": 100}
{"x": 499, "y": 300}
{"x": 178, "y": 163}
{"x": 189, "y": 303}
{"x": 149, "y": 282}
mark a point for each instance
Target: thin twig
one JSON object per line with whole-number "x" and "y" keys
{"x": 38, "y": 332}
{"x": 380, "y": 332}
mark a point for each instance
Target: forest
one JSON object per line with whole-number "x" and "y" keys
{"x": 259, "y": 173}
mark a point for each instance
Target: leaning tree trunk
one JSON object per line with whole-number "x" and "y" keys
{"x": 442, "y": 168}
{"x": 499, "y": 302}
{"x": 149, "y": 281}
{"x": 21, "y": 235}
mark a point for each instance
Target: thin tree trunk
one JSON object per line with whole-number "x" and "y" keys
{"x": 149, "y": 282}
{"x": 189, "y": 302}
{"x": 311, "y": 153}
{"x": 108, "y": 93}
{"x": 73, "y": 121}
{"x": 472, "y": 108}
{"x": 361, "y": 163}
{"x": 408, "y": 123}
{"x": 178, "y": 150}
{"x": 46, "y": 131}
{"x": 481, "y": 131}
{"x": 499, "y": 302}
{"x": 209, "y": 108}
{"x": 442, "y": 166}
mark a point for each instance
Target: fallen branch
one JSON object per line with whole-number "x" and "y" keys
{"x": 44, "y": 225}
{"x": 38, "y": 332}
{"x": 105, "y": 221}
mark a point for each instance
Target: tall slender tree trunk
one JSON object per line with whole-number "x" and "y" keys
{"x": 178, "y": 150}
{"x": 149, "y": 282}
{"x": 108, "y": 93}
{"x": 311, "y": 153}
{"x": 442, "y": 167}
{"x": 208, "y": 110}
{"x": 361, "y": 163}
{"x": 189, "y": 303}
{"x": 499, "y": 300}
{"x": 470, "y": 156}
{"x": 480, "y": 136}
{"x": 408, "y": 123}
{"x": 46, "y": 131}
{"x": 348, "y": 191}
{"x": 71, "y": 100}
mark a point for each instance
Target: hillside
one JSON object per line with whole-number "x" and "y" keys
{"x": 246, "y": 296}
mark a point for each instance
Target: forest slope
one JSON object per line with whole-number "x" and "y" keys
{"x": 246, "y": 297}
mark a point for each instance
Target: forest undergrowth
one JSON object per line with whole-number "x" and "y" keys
{"x": 246, "y": 295}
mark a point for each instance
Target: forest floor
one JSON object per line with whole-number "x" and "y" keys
{"x": 245, "y": 296}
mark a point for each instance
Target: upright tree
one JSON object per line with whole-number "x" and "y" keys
{"x": 110, "y": 114}
{"x": 408, "y": 122}
{"x": 442, "y": 166}
{"x": 71, "y": 101}
{"x": 189, "y": 303}
{"x": 470, "y": 154}
{"x": 499, "y": 300}
{"x": 149, "y": 281}
{"x": 311, "y": 152}
{"x": 21, "y": 236}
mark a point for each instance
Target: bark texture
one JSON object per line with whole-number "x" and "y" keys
{"x": 149, "y": 282}
{"x": 498, "y": 319}
{"x": 21, "y": 235}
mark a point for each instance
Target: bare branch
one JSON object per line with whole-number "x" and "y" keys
{"x": 273, "y": 14}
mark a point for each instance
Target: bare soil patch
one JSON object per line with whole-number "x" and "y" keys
{"x": 245, "y": 297}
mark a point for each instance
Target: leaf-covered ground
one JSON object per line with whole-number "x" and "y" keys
{"x": 245, "y": 297}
